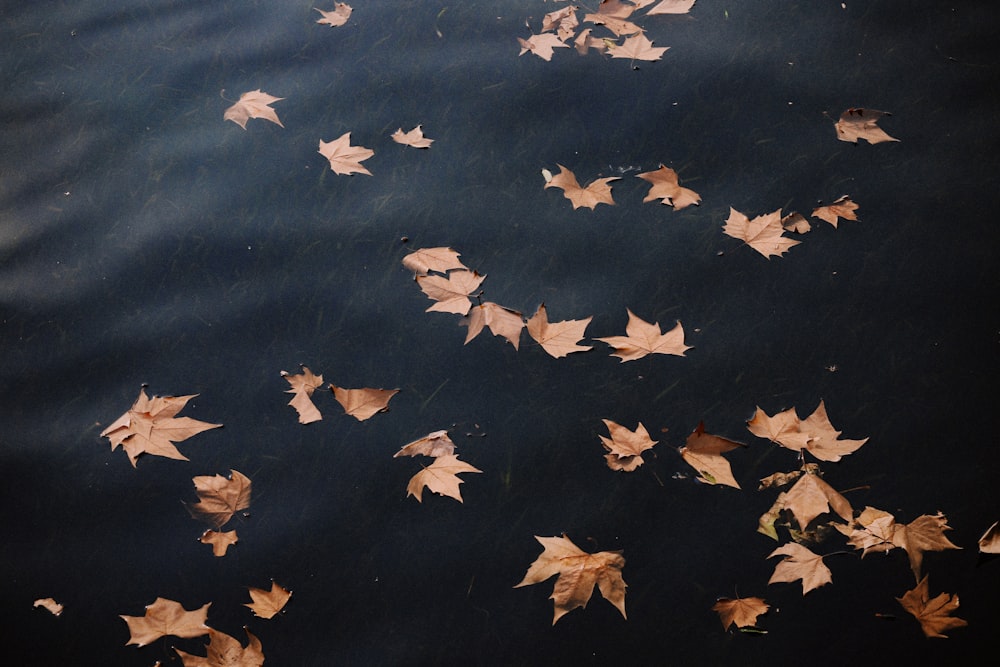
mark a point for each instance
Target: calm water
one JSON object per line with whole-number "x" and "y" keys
{"x": 145, "y": 240}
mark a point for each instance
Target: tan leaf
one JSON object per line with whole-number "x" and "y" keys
{"x": 558, "y": 338}
{"x": 703, "y": 452}
{"x": 254, "y": 104}
{"x": 500, "y": 320}
{"x": 671, "y": 7}
{"x": 857, "y": 124}
{"x": 345, "y": 158}
{"x": 596, "y": 192}
{"x": 618, "y": 26}
{"x": 578, "y": 573}
{"x": 764, "y": 233}
{"x": 362, "y": 404}
{"x": 935, "y": 616}
{"x": 425, "y": 260}
{"x": 989, "y": 543}
{"x": 434, "y": 444}
{"x": 303, "y": 385}
{"x": 451, "y": 293}
{"x": 841, "y": 208}
{"x": 220, "y": 541}
{"x": 584, "y": 41}
{"x": 741, "y": 611}
{"x": 541, "y": 45}
{"x": 811, "y": 496}
{"x": 220, "y": 498}
{"x": 49, "y": 605}
{"x": 337, "y": 17}
{"x": 815, "y": 433}
{"x": 667, "y": 189}
{"x": 925, "y": 533}
{"x": 563, "y": 21}
{"x": 643, "y": 338}
{"x": 441, "y": 477}
{"x": 414, "y": 138}
{"x": 624, "y": 446}
{"x": 872, "y": 531}
{"x": 166, "y": 617}
{"x": 225, "y": 651}
{"x": 266, "y": 604}
{"x": 150, "y": 427}
{"x": 637, "y": 47}
{"x": 800, "y": 563}
{"x": 796, "y": 222}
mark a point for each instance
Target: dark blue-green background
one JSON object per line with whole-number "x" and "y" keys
{"x": 144, "y": 240}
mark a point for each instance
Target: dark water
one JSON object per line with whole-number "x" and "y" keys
{"x": 145, "y": 240}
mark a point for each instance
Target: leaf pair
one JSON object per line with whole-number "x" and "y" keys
{"x": 665, "y": 188}
{"x": 361, "y": 404}
{"x": 441, "y": 477}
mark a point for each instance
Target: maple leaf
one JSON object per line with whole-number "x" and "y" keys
{"x": 637, "y": 47}
{"x": 435, "y": 444}
{"x": 857, "y": 124}
{"x": 150, "y": 427}
{"x": 345, "y": 158}
{"x": 815, "y": 433}
{"x": 925, "y": 533}
{"x": 425, "y": 260}
{"x": 220, "y": 497}
{"x": 616, "y": 8}
{"x": 741, "y": 611}
{"x": 337, "y": 17}
{"x": 989, "y": 543}
{"x": 225, "y": 651}
{"x": 578, "y": 573}
{"x": 584, "y": 42}
{"x": 764, "y": 233}
{"x": 563, "y": 21}
{"x": 703, "y": 452}
{"x": 667, "y": 189}
{"x": 875, "y": 534}
{"x": 795, "y": 222}
{"x": 451, "y": 292}
{"x": 800, "y": 563}
{"x": 303, "y": 385}
{"x": 596, "y": 192}
{"x": 619, "y": 26}
{"x": 49, "y": 605}
{"x": 414, "y": 138}
{"x": 811, "y": 496}
{"x": 266, "y": 604}
{"x": 252, "y": 104}
{"x": 557, "y": 338}
{"x": 220, "y": 541}
{"x": 643, "y": 338}
{"x": 671, "y": 7}
{"x": 541, "y": 45}
{"x": 934, "y": 615}
{"x": 362, "y": 404}
{"x": 501, "y": 321}
{"x": 165, "y": 617}
{"x": 625, "y": 446}
{"x": 441, "y": 477}
{"x": 841, "y": 208}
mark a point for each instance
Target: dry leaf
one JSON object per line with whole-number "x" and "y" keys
{"x": 225, "y": 651}
{"x": 451, "y": 292}
{"x": 303, "y": 386}
{"x": 625, "y": 446}
{"x": 637, "y": 47}
{"x": 541, "y": 45}
{"x": 596, "y": 192}
{"x": 643, "y": 338}
{"x": 989, "y": 543}
{"x": 220, "y": 541}
{"x": 433, "y": 444}
{"x": 266, "y": 604}
{"x": 578, "y": 573}
{"x": 441, "y": 477}
{"x": 338, "y": 17}
{"x": 166, "y": 617}
{"x": 811, "y": 496}
{"x": 619, "y": 26}
{"x": 362, "y": 404}
{"x": 667, "y": 189}
{"x": 563, "y": 21}
{"x": 49, "y": 605}
{"x": 500, "y": 320}
{"x": 741, "y": 611}
{"x": 800, "y": 563}
{"x": 671, "y": 7}
{"x": 425, "y": 260}
{"x": 220, "y": 497}
{"x": 764, "y": 233}
{"x": 414, "y": 138}
{"x": 925, "y": 533}
{"x": 857, "y": 124}
{"x": 149, "y": 427}
{"x": 345, "y": 158}
{"x": 703, "y": 452}
{"x": 815, "y": 433}
{"x": 253, "y": 104}
{"x": 935, "y": 616}
{"x": 841, "y": 208}
{"x": 795, "y": 222}
{"x": 558, "y": 338}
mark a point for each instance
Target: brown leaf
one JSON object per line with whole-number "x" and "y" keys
{"x": 667, "y": 189}
{"x": 345, "y": 158}
{"x": 266, "y": 604}
{"x": 558, "y": 338}
{"x": 625, "y": 446}
{"x": 989, "y": 543}
{"x": 362, "y": 404}
{"x": 220, "y": 498}
{"x": 541, "y": 45}
{"x": 166, "y": 617}
{"x": 857, "y": 124}
{"x": 764, "y": 233}
{"x": 811, "y": 496}
{"x": 451, "y": 292}
{"x": 434, "y": 444}
{"x": 596, "y": 192}
{"x": 441, "y": 260}
{"x": 220, "y": 541}
{"x": 841, "y": 208}
{"x": 800, "y": 563}
{"x": 671, "y": 7}
{"x": 414, "y": 138}
{"x": 338, "y": 17}
{"x": 441, "y": 477}
{"x": 637, "y": 47}
{"x": 795, "y": 222}
{"x": 303, "y": 385}
{"x": 935, "y": 616}
{"x": 618, "y": 26}
{"x": 578, "y": 573}
{"x": 500, "y": 320}
{"x": 741, "y": 611}
{"x": 149, "y": 427}
{"x": 49, "y": 605}
{"x": 815, "y": 433}
{"x": 225, "y": 651}
{"x": 925, "y": 533}
{"x": 254, "y": 104}
{"x": 643, "y": 338}
{"x": 703, "y": 452}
